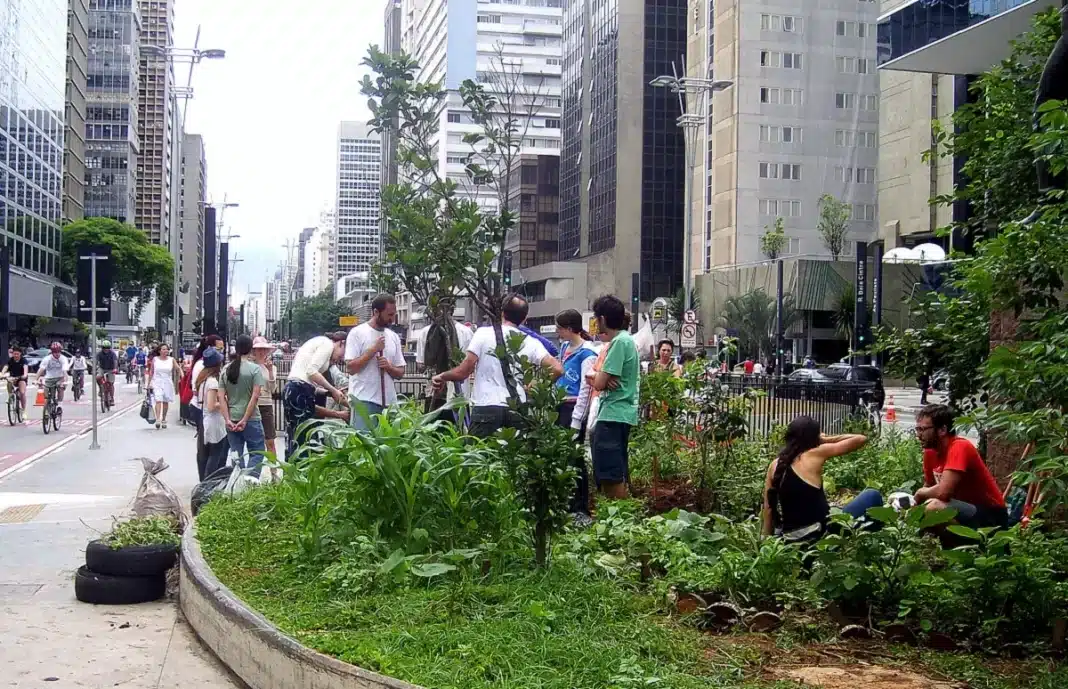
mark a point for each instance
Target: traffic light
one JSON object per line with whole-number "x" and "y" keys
{"x": 506, "y": 270}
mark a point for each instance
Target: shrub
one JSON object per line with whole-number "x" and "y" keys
{"x": 154, "y": 530}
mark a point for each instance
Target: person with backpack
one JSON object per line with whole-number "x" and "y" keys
{"x": 243, "y": 383}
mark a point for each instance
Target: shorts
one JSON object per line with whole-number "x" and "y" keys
{"x": 977, "y": 517}
{"x": 270, "y": 428}
{"x": 486, "y": 421}
{"x": 108, "y": 375}
{"x": 609, "y": 443}
{"x": 52, "y": 383}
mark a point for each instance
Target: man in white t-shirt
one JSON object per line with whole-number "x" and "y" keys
{"x": 374, "y": 360}
{"x": 490, "y": 393}
{"x": 53, "y": 370}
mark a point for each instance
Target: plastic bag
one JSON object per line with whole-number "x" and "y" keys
{"x": 210, "y": 486}
{"x": 154, "y": 497}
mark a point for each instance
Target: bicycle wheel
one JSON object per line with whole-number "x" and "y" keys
{"x": 45, "y": 421}
{"x": 77, "y": 392}
{"x": 20, "y": 413}
{"x": 57, "y": 417}
{"x": 12, "y": 409}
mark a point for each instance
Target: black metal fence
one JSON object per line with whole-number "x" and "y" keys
{"x": 778, "y": 401}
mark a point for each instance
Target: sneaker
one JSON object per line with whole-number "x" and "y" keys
{"x": 581, "y": 520}
{"x": 157, "y": 425}
{"x": 164, "y": 424}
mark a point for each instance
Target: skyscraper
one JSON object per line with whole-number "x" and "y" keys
{"x": 359, "y": 159}
{"x": 111, "y": 127}
{"x": 194, "y": 194}
{"x": 74, "y": 134}
{"x": 32, "y": 82}
{"x": 463, "y": 39}
{"x": 394, "y": 18}
{"x": 300, "y": 279}
{"x": 622, "y": 165}
{"x": 800, "y": 121}
{"x": 152, "y": 208}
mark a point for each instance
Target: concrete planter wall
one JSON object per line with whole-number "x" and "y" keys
{"x": 253, "y": 648}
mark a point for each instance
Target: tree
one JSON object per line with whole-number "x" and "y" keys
{"x": 676, "y": 308}
{"x": 138, "y": 267}
{"x": 752, "y": 315}
{"x": 306, "y": 317}
{"x": 833, "y": 224}
{"x": 773, "y": 242}
{"x": 845, "y": 311}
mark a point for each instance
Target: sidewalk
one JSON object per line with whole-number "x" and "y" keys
{"x": 49, "y": 510}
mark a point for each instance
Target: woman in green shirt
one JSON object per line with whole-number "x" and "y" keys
{"x": 243, "y": 383}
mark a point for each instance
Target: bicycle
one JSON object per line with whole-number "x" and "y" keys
{"x": 869, "y": 413}
{"x": 107, "y": 401}
{"x": 78, "y": 386}
{"x": 52, "y": 413}
{"x": 14, "y": 404}
{"x": 129, "y": 372}
{"x": 140, "y": 375}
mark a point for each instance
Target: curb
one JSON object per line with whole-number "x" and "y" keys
{"x": 251, "y": 647}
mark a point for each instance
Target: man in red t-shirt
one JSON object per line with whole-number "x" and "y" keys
{"x": 954, "y": 475}
{"x": 748, "y": 367}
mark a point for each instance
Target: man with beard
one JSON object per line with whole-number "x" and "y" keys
{"x": 374, "y": 360}
{"x": 954, "y": 475}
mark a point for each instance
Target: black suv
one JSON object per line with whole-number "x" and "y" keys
{"x": 860, "y": 374}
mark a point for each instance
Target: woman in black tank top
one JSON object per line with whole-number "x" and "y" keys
{"x": 794, "y": 502}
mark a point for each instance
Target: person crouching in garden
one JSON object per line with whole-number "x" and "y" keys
{"x": 794, "y": 502}
{"x": 577, "y": 355}
{"x": 954, "y": 475}
{"x": 616, "y": 382}
{"x": 307, "y": 371}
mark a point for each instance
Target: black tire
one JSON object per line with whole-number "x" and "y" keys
{"x": 105, "y": 589}
{"x": 132, "y": 561}
{"x": 12, "y": 409}
{"x": 57, "y": 417}
{"x": 45, "y": 421}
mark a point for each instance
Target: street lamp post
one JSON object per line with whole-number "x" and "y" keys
{"x": 690, "y": 123}
{"x": 191, "y": 56}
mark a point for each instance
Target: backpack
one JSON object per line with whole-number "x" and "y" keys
{"x": 185, "y": 387}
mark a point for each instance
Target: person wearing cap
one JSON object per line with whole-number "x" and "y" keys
{"x": 53, "y": 368}
{"x": 261, "y": 355}
{"x": 107, "y": 363}
{"x": 374, "y": 360}
{"x": 212, "y": 402}
{"x": 307, "y": 371}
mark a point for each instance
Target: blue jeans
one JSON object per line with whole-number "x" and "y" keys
{"x": 252, "y": 437}
{"x": 362, "y": 413}
{"x": 858, "y": 507}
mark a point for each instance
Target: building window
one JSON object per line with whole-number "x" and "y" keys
{"x": 780, "y": 134}
{"x": 843, "y": 174}
{"x": 786, "y": 208}
{"x": 772, "y": 58}
{"x": 790, "y": 171}
{"x": 778, "y": 22}
{"x": 865, "y": 175}
{"x": 552, "y": 123}
{"x": 489, "y": 19}
{"x": 779, "y": 96}
{"x": 454, "y": 117}
{"x": 864, "y": 212}
{"x": 853, "y": 65}
{"x": 845, "y": 101}
{"x": 869, "y": 101}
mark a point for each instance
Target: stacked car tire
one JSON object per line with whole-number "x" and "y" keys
{"x": 124, "y": 576}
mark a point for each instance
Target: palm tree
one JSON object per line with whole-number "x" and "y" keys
{"x": 752, "y": 315}
{"x": 844, "y": 311}
{"x": 676, "y": 308}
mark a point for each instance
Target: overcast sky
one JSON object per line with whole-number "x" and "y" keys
{"x": 269, "y": 112}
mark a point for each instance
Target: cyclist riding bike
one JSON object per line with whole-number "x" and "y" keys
{"x": 140, "y": 359}
{"x": 78, "y": 366}
{"x": 107, "y": 363}
{"x": 17, "y": 374}
{"x": 53, "y": 369}
{"x": 131, "y": 354}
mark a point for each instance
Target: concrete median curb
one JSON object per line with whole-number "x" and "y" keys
{"x": 253, "y": 648}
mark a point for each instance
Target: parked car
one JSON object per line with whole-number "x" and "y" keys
{"x": 801, "y": 383}
{"x": 33, "y": 357}
{"x": 940, "y": 380}
{"x": 861, "y": 374}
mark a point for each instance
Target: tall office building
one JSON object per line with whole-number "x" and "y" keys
{"x": 394, "y": 19}
{"x": 929, "y": 53}
{"x": 111, "y": 127}
{"x": 33, "y": 47}
{"x": 359, "y": 159}
{"x": 152, "y": 208}
{"x": 459, "y": 39}
{"x": 300, "y": 280}
{"x": 622, "y": 165}
{"x": 194, "y": 196}
{"x": 800, "y": 121}
{"x": 74, "y": 134}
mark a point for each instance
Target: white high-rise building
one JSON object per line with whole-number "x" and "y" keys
{"x": 800, "y": 120}
{"x": 359, "y": 160}
{"x": 456, "y": 40}
{"x": 313, "y": 259}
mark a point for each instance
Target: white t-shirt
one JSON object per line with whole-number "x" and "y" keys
{"x": 53, "y": 367}
{"x": 312, "y": 357}
{"x": 214, "y": 422}
{"x": 758, "y": 368}
{"x": 78, "y": 364}
{"x": 194, "y": 377}
{"x": 367, "y": 384}
{"x": 490, "y": 389}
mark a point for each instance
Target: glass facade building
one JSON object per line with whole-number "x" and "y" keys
{"x": 111, "y": 115}
{"x": 572, "y": 126}
{"x": 33, "y": 40}
{"x": 924, "y": 22}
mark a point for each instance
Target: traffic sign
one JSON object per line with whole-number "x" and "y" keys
{"x": 689, "y": 317}
{"x": 688, "y": 335}
{"x": 348, "y": 321}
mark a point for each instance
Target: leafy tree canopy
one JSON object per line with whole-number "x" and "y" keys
{"x": 752, "y": 315}
{"x": 313, "y": 316}
{"x": 137, "y": 265}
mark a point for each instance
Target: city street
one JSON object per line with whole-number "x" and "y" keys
{"x": 56, "y": 495}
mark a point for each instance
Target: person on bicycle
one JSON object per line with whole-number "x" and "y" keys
{"x": 107, "y": 362}
{"x": 54, "y": 370}
{"x": 78, "y": 366}
{"x": 17, "y": 373}
{"x": 140, "y": 359}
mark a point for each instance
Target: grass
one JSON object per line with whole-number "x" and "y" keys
{"x": 557, "y": 629}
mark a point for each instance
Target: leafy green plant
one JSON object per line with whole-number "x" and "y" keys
{"x": 153, "y": 530}
{"x": 891, "y": 462}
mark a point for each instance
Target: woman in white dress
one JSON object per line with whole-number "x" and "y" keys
{"x": 163, "y": 371}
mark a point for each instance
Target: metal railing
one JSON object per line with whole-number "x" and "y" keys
{"x": 778, "y": 401}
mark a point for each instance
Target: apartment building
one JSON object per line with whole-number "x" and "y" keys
{"x": 156, "y": 122}
{"x": 359, "y": 160}
{"x": 191, "y": 235}
{"x": 74, "y": 110}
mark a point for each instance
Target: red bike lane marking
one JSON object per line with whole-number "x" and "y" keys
{"x": 10, "y": 459}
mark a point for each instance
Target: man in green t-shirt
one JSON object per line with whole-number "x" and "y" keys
{"x": 617, "y": 383}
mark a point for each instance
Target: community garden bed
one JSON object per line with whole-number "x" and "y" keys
{"x": 407, "y": 553}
